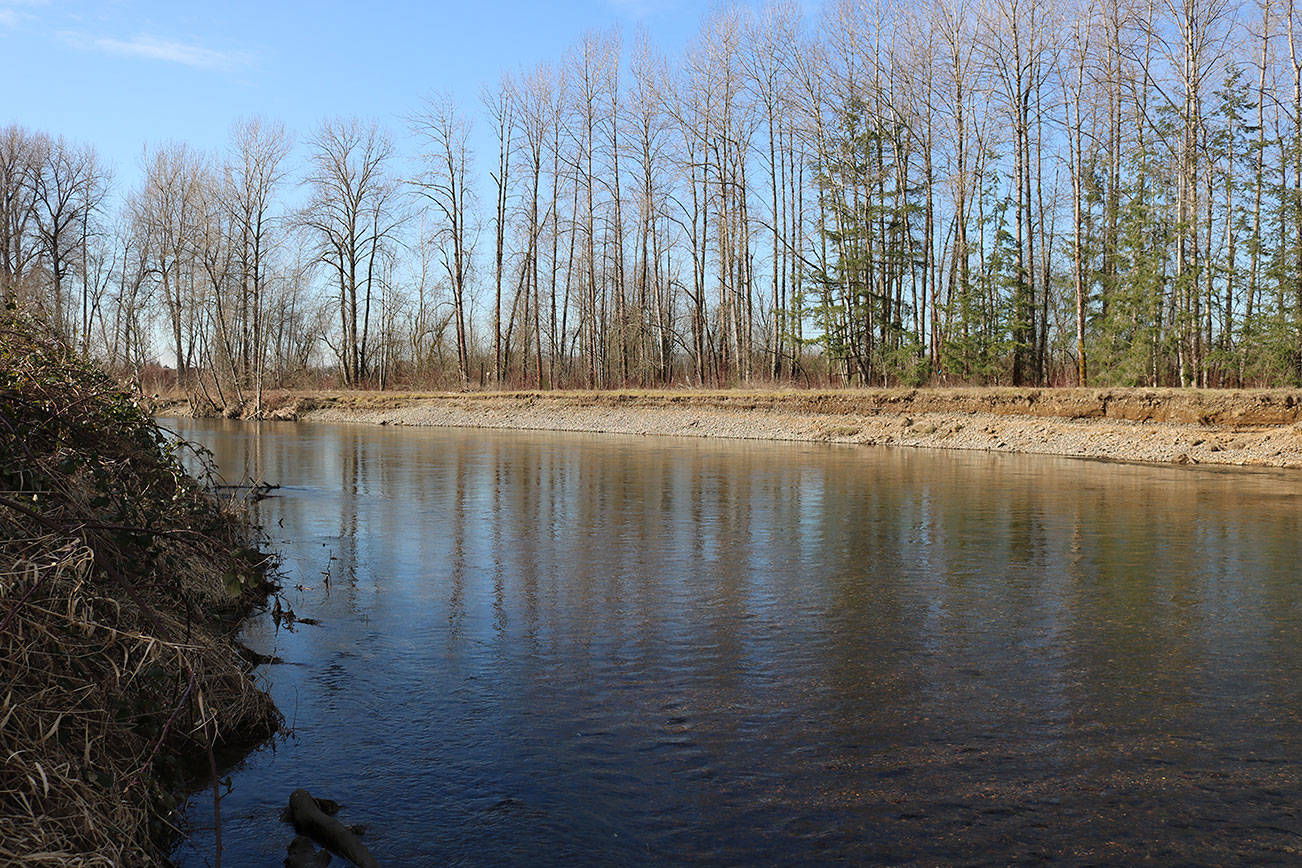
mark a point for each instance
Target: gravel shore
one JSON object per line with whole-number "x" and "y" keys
{"x": 1246, "y": 428}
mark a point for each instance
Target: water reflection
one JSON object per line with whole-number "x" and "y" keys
{"x": 545, "y": 649}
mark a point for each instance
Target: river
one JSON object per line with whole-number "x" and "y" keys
{"x": 542, "y": 649}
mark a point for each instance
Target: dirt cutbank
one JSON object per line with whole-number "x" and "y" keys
{"x": 1244, "y": 428}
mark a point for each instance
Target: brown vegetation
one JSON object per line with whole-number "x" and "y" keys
{"x": 122, "y": 581}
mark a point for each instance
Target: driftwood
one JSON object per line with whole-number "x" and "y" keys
{"x": 309, "y": 819}
{"x": 257, "y": 658}
{"x": 257, "y": 489}
{"x": 302, "y": 854}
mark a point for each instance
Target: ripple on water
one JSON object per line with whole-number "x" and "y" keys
{"x": 541, "y": 649}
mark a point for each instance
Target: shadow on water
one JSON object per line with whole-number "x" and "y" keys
{"x": 543, "y": 649}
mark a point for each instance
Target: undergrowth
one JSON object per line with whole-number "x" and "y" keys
{"x": 122, "y": 582}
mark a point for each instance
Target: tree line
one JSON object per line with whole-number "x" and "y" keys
{"x": 957, "y": 191}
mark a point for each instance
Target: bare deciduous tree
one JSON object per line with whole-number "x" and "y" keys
{"x": 352, "y": 214}
{"x": 443, "y": 183}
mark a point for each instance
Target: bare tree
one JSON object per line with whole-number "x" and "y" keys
{"x": 650, "y": 129}
{"x": 444, "y": 134}
{"x": 535, "y": 118}
{"x": 1018, "y": 42}
{"x": 1075, "y": 81}
{"x": 770, "y": 35}
{"x": 68, "y": 188}
{"x": 352, "y": 214}
{"x": 168, "y": 213}
{"x": 500, "y": 102}
{"x": 20, "y": 168}
{"x": 253, "y": 175}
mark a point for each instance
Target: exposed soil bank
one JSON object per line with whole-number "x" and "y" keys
{"x": 1245, "y": 428}
{"x": 122, "y": 584}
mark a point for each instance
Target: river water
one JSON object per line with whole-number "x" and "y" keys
{"x": 545, "y": 649}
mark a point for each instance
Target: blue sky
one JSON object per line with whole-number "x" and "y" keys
{"x": 125, "y": 73}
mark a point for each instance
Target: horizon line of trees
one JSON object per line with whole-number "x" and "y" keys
{"x": 963, "y": 191}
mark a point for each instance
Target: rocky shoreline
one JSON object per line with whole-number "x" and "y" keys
{"x": 1170, "y": 426}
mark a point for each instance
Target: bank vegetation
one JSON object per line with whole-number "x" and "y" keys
{"x": 122, "y": 583}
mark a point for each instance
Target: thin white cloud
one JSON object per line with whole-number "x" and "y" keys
{"x": 12, "y": 12}
{"x": 640, "y": 9}
{"x": 147, "y": 47}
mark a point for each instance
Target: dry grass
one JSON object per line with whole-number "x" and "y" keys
{"x": 122, "y": 580}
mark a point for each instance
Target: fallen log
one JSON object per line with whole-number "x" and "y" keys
{"x": 308, "y": 819}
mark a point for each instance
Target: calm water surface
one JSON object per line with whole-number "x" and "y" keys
{"x": 564, "y": 649}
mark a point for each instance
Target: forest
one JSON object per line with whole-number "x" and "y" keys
{"x": 1021, "y": 192}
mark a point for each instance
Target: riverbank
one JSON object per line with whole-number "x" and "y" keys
{"x": 123, "y": 582}
{"x": 1251, "y": 428}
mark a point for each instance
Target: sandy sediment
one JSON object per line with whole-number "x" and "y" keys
{"x": 1242, "y": 428}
